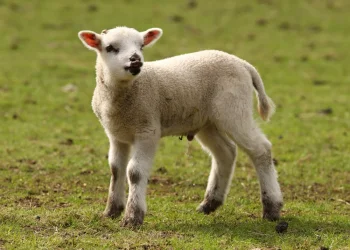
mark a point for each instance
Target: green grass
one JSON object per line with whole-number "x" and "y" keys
{"x": 53, "y": 169}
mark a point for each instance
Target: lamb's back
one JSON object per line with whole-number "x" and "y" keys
{"x": 185, "y": 85}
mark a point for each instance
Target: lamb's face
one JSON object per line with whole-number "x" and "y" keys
{"x": 121, "y": 48}
{"x": 122, "y": 51}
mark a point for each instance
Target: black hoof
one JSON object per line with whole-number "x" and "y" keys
{"x": 133, "y": 219}
{"x": 209, "y": 206}
{"x": 271, "y": 210}
{"x": 113, "y": 211}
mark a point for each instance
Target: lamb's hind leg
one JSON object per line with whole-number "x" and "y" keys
{"x": 248, "y": 136}
{"x": 223, "y": 152}
{"x": 118, "y": 159}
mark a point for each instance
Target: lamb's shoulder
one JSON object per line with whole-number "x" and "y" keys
{"x": 124, "y": 111}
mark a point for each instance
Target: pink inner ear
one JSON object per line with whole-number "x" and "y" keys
{"x": 150, "y": 36}
{"x": 91, "y": 39}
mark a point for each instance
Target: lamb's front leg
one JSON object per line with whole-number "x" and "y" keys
{"x": 137, "y": 172}
{"x": 118, "y": 159}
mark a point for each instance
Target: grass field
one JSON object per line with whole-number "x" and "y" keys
{"x": 54, "y": 174}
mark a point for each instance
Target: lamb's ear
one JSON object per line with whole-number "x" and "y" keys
{"x": 151, "y": 36}
{"x": 90, "y": 39}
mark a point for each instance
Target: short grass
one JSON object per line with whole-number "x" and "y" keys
{"x": 53, "y": 168}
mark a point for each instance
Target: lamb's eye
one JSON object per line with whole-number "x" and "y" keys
{"x": 110, "y": 48}
{"x": 142, "y": 47}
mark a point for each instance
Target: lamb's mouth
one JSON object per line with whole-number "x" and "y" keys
{"x": 134, "y": 68}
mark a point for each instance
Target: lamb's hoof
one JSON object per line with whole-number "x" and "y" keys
{"x": 131, "y": 222}
{"x": 271, "y": 217}
{"x": 271, "y": 210}
{"x": 113, "y": 211}
{"x": 209, "y": 206}
{"x": 133, "y": 219}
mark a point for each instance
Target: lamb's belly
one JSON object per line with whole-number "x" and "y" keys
{"x": 188, "y": 126}
{"x": 179, "y": 131}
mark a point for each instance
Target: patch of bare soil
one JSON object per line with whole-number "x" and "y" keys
{"x": 159, "y": 180}
{"x": 29, "y": 201}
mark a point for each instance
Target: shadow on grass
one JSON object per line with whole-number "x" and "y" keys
{"x": 261, "y": 231}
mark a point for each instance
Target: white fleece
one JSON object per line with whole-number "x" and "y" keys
{"x": 208, "y": 94}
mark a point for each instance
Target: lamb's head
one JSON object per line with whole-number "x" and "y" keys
{"x": 121, "y": 48}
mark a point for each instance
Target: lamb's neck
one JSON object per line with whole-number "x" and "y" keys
{"x": 110, "y": 84}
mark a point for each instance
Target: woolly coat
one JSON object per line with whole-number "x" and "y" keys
{"x": 177, "y": 96}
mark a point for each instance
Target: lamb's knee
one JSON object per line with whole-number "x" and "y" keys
{"x": 262, "y": 152}
{"x": 265, "y": 146}
{"x": 114, "y": 170}
{"x": 134, "y": 176}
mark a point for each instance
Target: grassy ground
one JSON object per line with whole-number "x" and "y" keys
{"x": 53, "y": 170}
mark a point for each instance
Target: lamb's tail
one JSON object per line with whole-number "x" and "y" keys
{"x": 266, "y": 107}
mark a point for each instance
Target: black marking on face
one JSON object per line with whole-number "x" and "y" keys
{"x": 135, "y": 71}
{"x": 110, "y": 48}
{"x": 135, "y": 65}
{"x": 135, "y": 57}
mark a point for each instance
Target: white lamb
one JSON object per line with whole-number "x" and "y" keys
{"x": 207, "y": 94}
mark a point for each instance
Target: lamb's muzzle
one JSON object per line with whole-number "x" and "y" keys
{"x": 135, "y": 65}
{"x": 134, "y": 68}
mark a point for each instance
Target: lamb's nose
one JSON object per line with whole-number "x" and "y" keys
{"x": 135, "y": 57}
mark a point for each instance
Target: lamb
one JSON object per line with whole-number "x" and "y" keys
{"x": 207, "y": 95}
